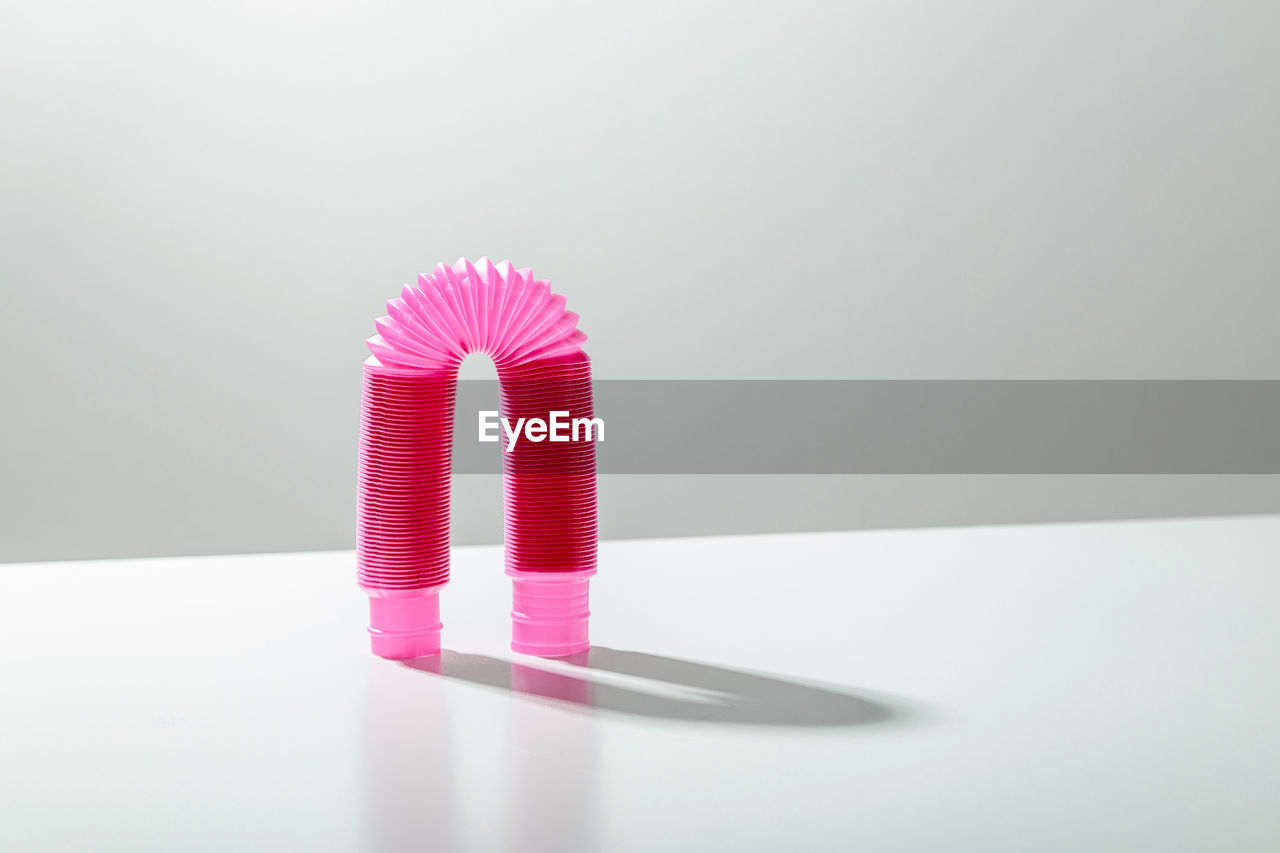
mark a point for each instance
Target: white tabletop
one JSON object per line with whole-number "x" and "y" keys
{"x": 1085, "y": 687}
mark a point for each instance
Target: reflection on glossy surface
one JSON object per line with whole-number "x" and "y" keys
{"x": 553, "y": 776}
{"x": 548, "y": 798}
{"x": 410, "y": 791}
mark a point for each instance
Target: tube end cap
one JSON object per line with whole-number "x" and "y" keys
{"x": 402, "y": 628}
{"x": 549, "y": 614}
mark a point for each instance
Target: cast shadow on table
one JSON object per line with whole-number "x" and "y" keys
{"x": 666, "y": 688}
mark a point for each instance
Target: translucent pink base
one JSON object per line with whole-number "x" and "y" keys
{"x": 405, "y": 626}
{"x": 550, "y": 613}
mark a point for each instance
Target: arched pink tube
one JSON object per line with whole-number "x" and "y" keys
{"x": 406, "y": 432}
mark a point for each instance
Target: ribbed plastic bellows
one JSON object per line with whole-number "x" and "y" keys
{"x": 406, "y": 431}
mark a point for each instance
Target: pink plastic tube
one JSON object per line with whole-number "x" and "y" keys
{"x": 406, "y": 431}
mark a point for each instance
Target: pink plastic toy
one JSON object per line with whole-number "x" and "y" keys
{"x": 406, "y": 430}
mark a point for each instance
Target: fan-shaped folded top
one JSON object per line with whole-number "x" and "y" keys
{"x": 507, "y": 314}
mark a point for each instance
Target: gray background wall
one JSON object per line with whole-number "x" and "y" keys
{"x": 205, "y": 205}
